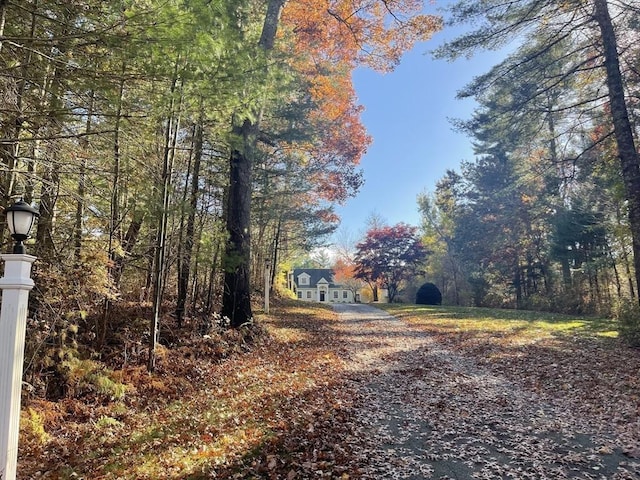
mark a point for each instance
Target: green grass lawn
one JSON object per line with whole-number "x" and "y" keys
{"x": 522, "y": 324}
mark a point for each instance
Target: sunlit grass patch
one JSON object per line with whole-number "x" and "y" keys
{"x": 187, "y": 457}
{"x": 304, "y": 309}
{"x": 608, "y": 334}
{"x": 285, "y": 334}
{"x": 517, "y": 325}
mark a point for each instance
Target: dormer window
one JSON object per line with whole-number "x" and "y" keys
{"x": 303, "y": 279}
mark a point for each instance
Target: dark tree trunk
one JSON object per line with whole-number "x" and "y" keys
{"x": 270, "y": 26}
{"x": 517, "y": 284}
{"x": 115, "y": 231}
{"x": 159, "y": 249}
{"x": 276, "y": 250}
{"x": 211, "y": 288}
{"x": 622, "y": 127}
{"x": 80, "y": 202}
{"x": 114, "y": 217}
{"x": 48, "y": 199}
{"x": 236, "y": 298}
{"x": 128, "y": 243}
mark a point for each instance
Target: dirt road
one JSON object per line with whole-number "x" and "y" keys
{"x": 430, "y": 413}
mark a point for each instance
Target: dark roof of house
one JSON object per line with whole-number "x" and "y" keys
{"x": 315, "y": 274}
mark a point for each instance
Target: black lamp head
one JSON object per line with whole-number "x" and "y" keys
{"x": 20, "y": 219}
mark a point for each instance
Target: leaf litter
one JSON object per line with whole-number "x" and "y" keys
{"x": 440, "y": 408}
{"x": 357, "y": 395}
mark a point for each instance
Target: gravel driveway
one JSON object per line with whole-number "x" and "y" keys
{"x": 427, "y": 412}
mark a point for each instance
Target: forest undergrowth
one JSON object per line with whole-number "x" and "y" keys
{"x": 264, "y": 401}
{"x": 277, "y": 400}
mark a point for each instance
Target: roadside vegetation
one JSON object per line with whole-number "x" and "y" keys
{"x": 233, "y": 404}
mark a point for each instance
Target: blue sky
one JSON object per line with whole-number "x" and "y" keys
{"x": 406, "y": 113}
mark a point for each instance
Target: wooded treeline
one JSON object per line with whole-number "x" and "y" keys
{"x": 172, "y": 147}
{"x": 547, "y": 214}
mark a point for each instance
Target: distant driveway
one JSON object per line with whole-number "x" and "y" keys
{"x": 360, "y": 311}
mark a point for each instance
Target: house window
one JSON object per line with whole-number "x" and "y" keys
{"x": 345, "y": 294}
{"x": 335, "y": 294}
{"x": 304, "y": 280}
{"x": 299, "y": 294}
{"x": 308, "y": 294}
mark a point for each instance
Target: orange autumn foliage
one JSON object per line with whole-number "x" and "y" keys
{"x": 362, "y": 32}
{"x": 328, "y": 39}
{"x": 343, "y": 270}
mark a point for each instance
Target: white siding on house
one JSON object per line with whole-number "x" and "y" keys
{"x": 331, "y": 296}
{"x": 317, "y": 285}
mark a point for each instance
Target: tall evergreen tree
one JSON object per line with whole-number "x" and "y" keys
{"x": 587, "y": 34}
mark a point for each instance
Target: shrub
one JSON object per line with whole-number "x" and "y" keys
{"x": 628, "y": 316}
{"x": 32, "y": 431}
{"x": 429, "y": 294}
{"x": 107, "y": 423}
{"x": 87, "y": 377}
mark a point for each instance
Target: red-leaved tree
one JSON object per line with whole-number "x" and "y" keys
{"x": 389, "y": 256}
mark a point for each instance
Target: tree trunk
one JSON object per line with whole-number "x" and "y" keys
{"x": 517, "y": 283}
{"x": 270, "y": 26}
{"x": 159, "y": 252}
{"x": 211, "y": 288}
{"x": 48, "y": 198}
{"x": 236, "y": 298}
{"x": 114, "y": 218}
{"x": 161, "y": 236}
{"x": 276, "y": 250}
{"x": 81, "y": 191}
{"x": 187, "y": 246}
{"x": 622, "y": 127}
{"x": 115, "y": 231}
{"x": 50, "y": 175}
{"x": 80, "y": 202}
{"x": 392, "y": 291}
{"x": 3, "y": 20}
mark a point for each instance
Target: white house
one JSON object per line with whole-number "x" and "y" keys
{"x": 317, "y": 285}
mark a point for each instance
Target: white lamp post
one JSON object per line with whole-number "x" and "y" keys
{"x": 15, "y": 284}
{"x": 267, "y": 284}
